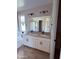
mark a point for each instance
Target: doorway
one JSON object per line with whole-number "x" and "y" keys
{"x": 43, "y": 10}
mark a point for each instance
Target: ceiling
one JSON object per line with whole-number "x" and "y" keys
{"x": 28, "y": 4}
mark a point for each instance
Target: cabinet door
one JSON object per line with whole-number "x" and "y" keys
{"x": 38, "y": 45}
{"x": 29, "y": 42}
{"x": 46, "y": 45}
{"x": 43, "y": 44}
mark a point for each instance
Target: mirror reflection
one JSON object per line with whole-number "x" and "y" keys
{"x": 40, "y": 26}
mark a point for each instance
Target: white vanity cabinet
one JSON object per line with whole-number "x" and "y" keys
{"x": 42, "y": 44}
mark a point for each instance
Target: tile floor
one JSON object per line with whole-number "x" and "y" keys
{"x": 29, "y": 53}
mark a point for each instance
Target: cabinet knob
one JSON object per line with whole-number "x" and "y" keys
{"x": 51, "y": 24}
{"x": 27, "y": 40}
{"x": 22, "y": 36}
{"x": 41, "y": 43}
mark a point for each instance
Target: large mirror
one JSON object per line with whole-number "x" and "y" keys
{"x": 40, "y": 25}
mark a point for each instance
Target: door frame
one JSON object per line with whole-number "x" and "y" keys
{"x": 54, "y": 17}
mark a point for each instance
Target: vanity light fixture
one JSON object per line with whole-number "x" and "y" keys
{"x": 31, "y": 14}
{"x": 46, "y": 11}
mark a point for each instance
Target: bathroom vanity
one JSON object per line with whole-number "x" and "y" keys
{"x": 39, "y": 34}
{"x": 37, "y": 41}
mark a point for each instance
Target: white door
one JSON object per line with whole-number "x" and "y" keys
{"x": 55, "y": 4}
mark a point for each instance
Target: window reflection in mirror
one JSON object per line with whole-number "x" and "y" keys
{"x": 22, "y": 23}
